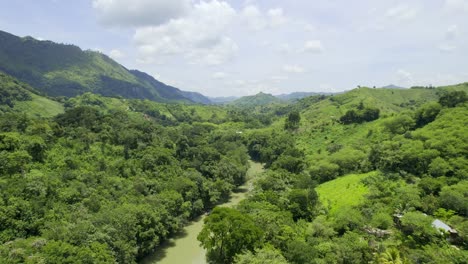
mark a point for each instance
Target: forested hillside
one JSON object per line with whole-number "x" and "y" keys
{"x": 66, "y": 70}
{"x": 352, "y": 178}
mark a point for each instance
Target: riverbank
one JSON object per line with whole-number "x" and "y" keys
{"x": 184, "y": 248}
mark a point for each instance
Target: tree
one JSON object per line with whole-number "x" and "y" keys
{"x": 400, "y": 124}
{"x": 227, "y": 232}
{"x": 453, "y": 98}
{"x": 266, "y": 255}
{"x": 427, "y": 113}
{"x": 293, "y": 120}
{"x": 391, "y": 256}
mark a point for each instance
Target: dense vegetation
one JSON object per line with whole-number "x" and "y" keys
{"x": 397, "y": 175}
{"x": 102, "y": 184}
{"x": 106, "y": 180}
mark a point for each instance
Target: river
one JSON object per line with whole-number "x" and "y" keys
{"x": 184, "y": 248}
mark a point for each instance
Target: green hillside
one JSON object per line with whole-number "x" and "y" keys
{"x": 16, "y": 96}
{"x": 66, "y": 70}
{"x": 343, "y": 192}
{"x": 259, "y": 99}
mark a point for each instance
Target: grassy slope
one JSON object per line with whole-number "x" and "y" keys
{"x": 39, "y": 106}
{"x": 320, "y": 125}
{"x": 343, "y": 192}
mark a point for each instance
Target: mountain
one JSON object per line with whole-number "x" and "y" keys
{"x": 255, "y": 100}
{"x": 223, "y": 100}
{"x": 66, "y": 70}
{"x": 392, "y": 86}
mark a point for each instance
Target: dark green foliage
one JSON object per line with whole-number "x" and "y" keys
{"x": 427, "y": 113}
{"x": 226, "y": 233}
{"x": 360, "y": 115}
{"x": 11, "y": 90}
{"x": 453, "y": 98}
{"x": 292, "y": 121}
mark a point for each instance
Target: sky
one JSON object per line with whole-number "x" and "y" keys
{"x": 242, "y": 47}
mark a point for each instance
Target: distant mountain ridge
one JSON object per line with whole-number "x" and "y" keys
{"x": 393, "y": 86}
{"x": 66, "y": 70}
{"x": 299, "y": 95}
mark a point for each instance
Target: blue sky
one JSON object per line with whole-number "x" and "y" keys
{"x": 222, "y": 48}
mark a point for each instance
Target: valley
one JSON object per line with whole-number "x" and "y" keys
{"x": 101, "y": 164}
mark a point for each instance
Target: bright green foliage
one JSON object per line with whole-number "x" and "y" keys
{"x": 343, "y": 192}
{"x": 266, "y": 255}
{"x": 226, "y": 233}
{"x": 455, "y": 197}
{"x": 418, "y": 228}
{"x": 255, "y": 100}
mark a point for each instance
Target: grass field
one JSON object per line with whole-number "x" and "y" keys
{"x": 40, "y": 106}
{"x": 342, "y": 192}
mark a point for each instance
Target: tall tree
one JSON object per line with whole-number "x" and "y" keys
{"x": 226, "y": 233}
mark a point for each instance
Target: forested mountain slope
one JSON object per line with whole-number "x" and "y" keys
{"x": 66, "y": 70}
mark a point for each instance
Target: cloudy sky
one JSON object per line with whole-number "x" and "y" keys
{"x": 240, "y": 47}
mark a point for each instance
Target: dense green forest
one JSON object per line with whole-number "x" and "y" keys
{"x": 357, "y": 177}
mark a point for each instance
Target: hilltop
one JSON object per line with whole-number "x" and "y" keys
{"x": 255, "y": 100}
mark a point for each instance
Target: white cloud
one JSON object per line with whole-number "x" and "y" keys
{"x": 401, "y": 12}
{"x": 219, "y": 75}
{"x": 293, "y": 69}
{"x": 276, "y": 17}
{"x": 256, "y": 20}
{"x": 452, "y": 32}
{"x": 404, "y": 77}
{"x": 199, "y": 36}
{"x": 116, "y": 54}
{"x": 139, "y": 12}
{"x": 313, "y": 46}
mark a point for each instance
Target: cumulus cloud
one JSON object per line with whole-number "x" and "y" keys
{"x": 256, "y": 20}
{"x": 276, "y": 17}
{"x": 199, "y": 36}
{"x": 404, "y": 77}
{"x": 313, "y": 46}
{"x": 116, "y": 54}
{"x": 293, "y": 69}
{"x": 139, "y": 12}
